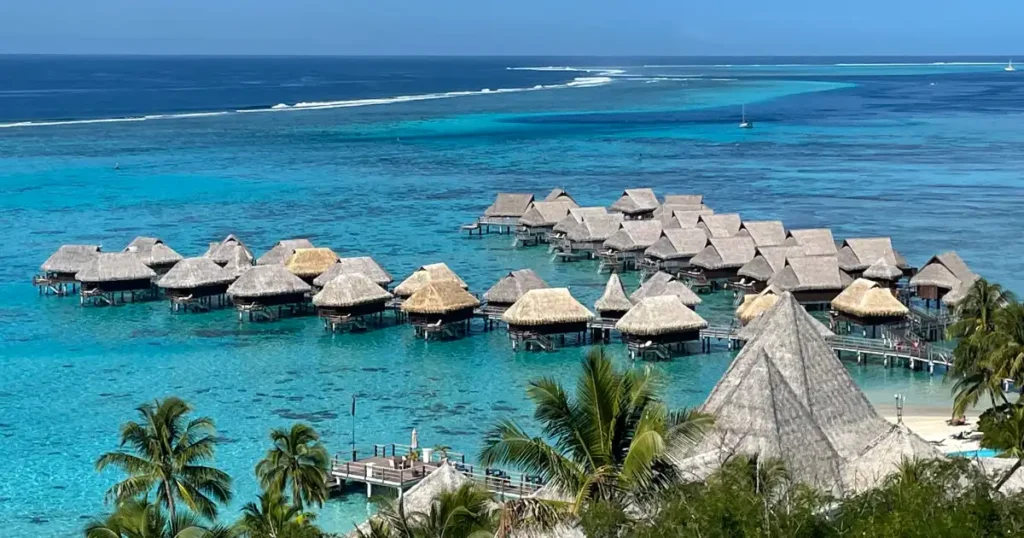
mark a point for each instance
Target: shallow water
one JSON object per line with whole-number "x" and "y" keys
{"x": 927, "y": 154}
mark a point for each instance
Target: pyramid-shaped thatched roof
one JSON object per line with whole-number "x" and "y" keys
{"x": 634, "y": 201}
{"x": 514, "y": 285}
{"x": 239, "y": 259}
{"x": 310, "y": 262}
{"x": 281, "y": 250}
{"x": 114, "y": 267}
{"x": 267, "y": 281}
{"x": 866, "y": 299}
{"x": 348, "y": 290}
{"x": 559, "y": 195}
{"x": 816, "y": 241}
{"x": 809, "y": 273}
{"x": 883, "y": 269}
{"x": 858, "y": 254}
{"x": 596, "y": 228}
{"x": 428, "y": 273}
{"x": 634, "y": 235}
{"x": 576, "y": 217}
{"x": 152, "y": 251}
{"x": 545, "y": 214}
{"x": 765, "y": 233}
{"x": 439, "y": 297}
{"x": 362, "y": 264}
{"x": 614, "y": 297}
{"x": 70, "y": 259}
{"x": 787, "y": 396}
{"x": 720, "y": 224}
{"x": 548, "y": 306}
{"x": 509, "y": 204}
{"x": 192, "y": 273}
{"x": 947, "y": 270}
{"x": 662, "y": 283}
{"x": 678, "y": 243}
{"x": 224, "y": 251}
{"x": 658, "y": 315}
{"x": 768, "y": 261}
{"x": 884, "y": 455}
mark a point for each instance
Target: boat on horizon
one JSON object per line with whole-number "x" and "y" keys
{"x": 744, "y": 124}
{"x": 1009, "y": 67}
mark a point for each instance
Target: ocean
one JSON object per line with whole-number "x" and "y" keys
{"x": 388, "y": 157}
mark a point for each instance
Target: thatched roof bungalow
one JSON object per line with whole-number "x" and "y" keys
{"x": 636, "y": 204}
{"x": 239, "y": 259}
{"x": 868, "y": 304}
{"x": 153, "y": 253}
{"x": 559, "y": 195}
{"x": 63, "y": 265}
{"x": 816, "y": 241}
{"x": 660, "y": 319}
{"x": 111, "y": 272}
{"x": 720, "y": 224}
{"x": 768, "y": 261}
{"x": 440, "y": 307}
{"x": 282, "y": 250}
{"x": 225, "y": 251}
{"x": 662, "y": 283}
{"x": 433, "y": 272}
{"x": 591, "y": 234}
{"x": 268, "y": 285}
{"x": 675, "y": 247}
{"x": 723, "y": 257}
{"x": 677, "y": 217}
{"x": 613, "y": 303}
{"x": 811, "y": 279}
{"x": 507, "y": 208}
{"x": 634, "y": 236}
{"x": 765, "y": 233}
{"x": 362, "y": 264}
{"x": 686, "y": 200}
{"x": 309, "y": 263}
{"x": 856, "y": 255}
{"x": 884, "y": 271}
{"x": 512, "y": 287}
{"x": 196, "y": 277}
{"x": 541, "y": 217}
{"x": 754, "y": 305}
{"x": 546, "y": 312}
{"x": 944, "y": 275}
{"x": 350, "y": 294}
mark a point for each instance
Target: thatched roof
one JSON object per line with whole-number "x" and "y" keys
{"x": 193, "y": 273}
{"x": 559, "y": 195}
{"x": 433, "y": 272}
{"x": 661, "y": 314}
{"x": 576, "y": 216}
{"x": 725, "y": 253}
{"x": 662, "y": 283}
{"x": 70, "y": 258}
{"x": 883, "y": 456}
{"x": 596, "y": 228}
{"x": 866, "y": 299}
{"x": 959, "y": 293}
{"x": 513, "y": 285}
{"x": 267, "y": 281}
{"x": 753, "y": 327}
{"x": 768, "y": 261}
{"x": 439, "y": 297}
{"x": 152, "y": 251}
{"x": 691, "y": 200}
{"x": 720, "y": 224}
{"x": 946, "y": 271}
{"x": 678, "y": 243}
{"x": 445, "y": 478}
{"x": 614, "y": 297}
{"x": 765, "y": 233}
{"x": 883, "y": 270}
{"x": 787, "y": 396}
{"x": 808, "y": 273}
{"x": 114, "y": 267}
{"x": 755, "y": 305}
{"x": 816, "y": 241}
{"x": 634, "y": 201}
{"x": 224, "y": 251}
{"x": 545, "y": 214}
{"x": 509, "y": 204}
{"x": 310, "y": 262}
{"x": 550, "y": 306}
{"x": 363, "y": 264}
{"x": 350, "y": 289}
{"x": 858, "y": 254}
{"x": 634, "y": 235}
{"x": 281, "y": 250}
{"x": 239, "y": 259}
{"x": 682, "y": 219}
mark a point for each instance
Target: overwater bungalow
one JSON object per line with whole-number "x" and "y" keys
{"x": 541, "y": 314}
{"x": 362, "y": 264}
{"x": 350, "y": 300}
{"x": 816, "y": 241}
{"x": 720, "y": 224}
{"x": 196, "y": 284}
{"x": 765, "y": 233}
{"x": 755, "y": 304}
{"x": 282, "y": 250}
{"x": 721, "y": 260}
{"x": 636, "y": 204}
{"x": 433, "y": 272}
{"x": 674, "y": 249}
{"x": 510, "y": 289}
{"x": 559, "y": 195}
{"x": 153, "y": 253}
{"x": 856, "y": 255}
{"x": 263, "y": 287}
{"x": 588, "y": 237}
{"x": 945, "y": 275}
{"x": 309, "y": 263}
{"x": 613, "y": 303}
{"x": 109, "y": 275}
{"x": 539, "y": 221}
{"x": 659, "y": 326}
{"x": 239, "y": 259}
{"x": 506, "y": 210}
{"x": 884, "y": 272}
{"x": 813, "y": 280}
{"x": 695, "y": 201}
{"x": 440, "y": 309}
{"x": 624, "y": 249}
{"x": 224, "y": 252}
{"x": 676, "y": 217}
{"x": 755, "y": 274}
{"x": 867, "y": 304}
{"x": 662, "y": 283}
{"x": 59, "y": 270}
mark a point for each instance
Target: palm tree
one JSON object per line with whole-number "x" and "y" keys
{"x": 613, "y": 437}
{"x": 976, "y": 313}
{"x": 460, "y": 513}
{"x": 1008, "y": 341}
{"x": 275, "y": 517}
{"x": 297, "y": 459}
{"x": 136, "y": 518}
{"x": 1002, "y": 429}
{"x": 168, "y": 452}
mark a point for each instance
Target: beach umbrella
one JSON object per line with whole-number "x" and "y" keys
{"x": 415, "y": 443}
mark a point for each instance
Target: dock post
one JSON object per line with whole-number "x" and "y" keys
{"x": 369, "y": 476}
{"x": 931, "y": 367}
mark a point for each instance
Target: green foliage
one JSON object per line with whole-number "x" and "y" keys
{"x": 276, "y": 517}
{"x": 297, "y": 461}
{"x": 136, "y": 518}
{"x": 461, "y": 513}
{"x": 167, "y": 454}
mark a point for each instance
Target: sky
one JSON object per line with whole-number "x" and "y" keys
{"x": 520, "y": 27}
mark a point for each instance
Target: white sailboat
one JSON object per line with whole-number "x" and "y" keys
{"x": 1009, "y": 67}
{"x": 744, "y": 124}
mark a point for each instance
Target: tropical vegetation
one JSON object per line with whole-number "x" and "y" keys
{"x": 298, "y": 462}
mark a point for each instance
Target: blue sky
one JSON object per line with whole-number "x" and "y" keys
{"x": 520, "y": 27}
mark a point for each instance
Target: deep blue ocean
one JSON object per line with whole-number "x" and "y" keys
{"x": 387, "y": 157}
